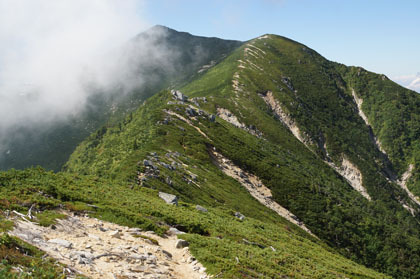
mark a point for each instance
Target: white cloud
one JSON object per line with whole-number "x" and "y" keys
{"x": 51, "y": 49}
{"x": 45, "y": 47}
{"x": 409, "y": 81}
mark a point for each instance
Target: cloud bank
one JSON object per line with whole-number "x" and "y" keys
{"x": 410, "y": 81}
{"x": 50, "y": 49}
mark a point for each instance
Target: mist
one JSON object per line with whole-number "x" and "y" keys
{"x": 53, "y": 53}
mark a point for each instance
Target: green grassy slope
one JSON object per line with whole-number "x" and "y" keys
{"x": 216, "y": 237}
{"x": 379, "y": 233}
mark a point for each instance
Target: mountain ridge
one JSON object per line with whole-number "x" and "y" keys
{"x": 321, "y": 110}
{"x": 283, "y": 148}
{"x": 49, "y": 145}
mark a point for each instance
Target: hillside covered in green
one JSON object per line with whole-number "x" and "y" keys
{"x": 235, "y": 130}
{"x": 261, "y": 246}
{"x": 288, "y": 116}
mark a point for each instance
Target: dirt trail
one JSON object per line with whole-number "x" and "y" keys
{"x": 100, "y": 249}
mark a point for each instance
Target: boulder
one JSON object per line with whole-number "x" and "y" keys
{"x": 174, "y": 231}
{"x": 115, "y": 234}
{"x": 212, "y": 118}
{"x": 179, "y": 96}
{"x": 240, "y": 216}
{"x": 168, "y": 198}
{"x": 182, "y": 244}
{"x": 191, "y": 112}
{"x": 200, "y": 208}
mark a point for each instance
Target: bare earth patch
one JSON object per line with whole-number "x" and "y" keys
{"x": 99, "y": 249}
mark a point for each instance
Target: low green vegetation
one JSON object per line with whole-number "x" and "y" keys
{"x": 19, "y": 260}
{"x": 166, "y": 145}
{"x": 5, "y": 225}
{"x": 380, "y": 233}
{"x": 48, "y": 217}
{"x": 224, "y": 244}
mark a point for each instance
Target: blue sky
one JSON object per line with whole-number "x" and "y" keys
{"x": 381, "y": 36}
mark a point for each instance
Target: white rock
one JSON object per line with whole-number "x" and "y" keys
{"x": 115, "y": 234}
{"x": 61, "y": 242}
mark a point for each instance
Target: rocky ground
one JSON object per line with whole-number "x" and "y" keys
{"x": 100, "y": 249}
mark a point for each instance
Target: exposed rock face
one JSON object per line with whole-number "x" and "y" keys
{"x": 347, "y": 170}
{"x": 168, "y": 198}
{"x": 179, "y": 96}
{"x": 109, "y": 257}
{"x": 256, "y": 188}
{"x": 406, "y": 176}
{"x": 352, "y": 174}
{"x": 284, "y": 117}
{"x": 228, "y": 116}
{"x": 403, "y": 183}
{"x": 359, "y": 103}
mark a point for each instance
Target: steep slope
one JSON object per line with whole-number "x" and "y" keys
{"x": 288, "y": 117}
{"x": 50, "y": 144}
{"x": 393, "y": 113}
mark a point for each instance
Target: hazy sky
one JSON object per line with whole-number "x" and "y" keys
{"x": 380, "y": 35}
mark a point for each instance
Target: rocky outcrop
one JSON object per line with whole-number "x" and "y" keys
{"x": 228, "y": 116}
{"x": 255, "y": 187}
{"x": 168, "y": 198}
{"x": 91, "y": 248}
{"x": 179, "y": 96}
{"x": 352, "y": 174}
{"x": 359, "y": 103}
{"x": 406, "y": 176}
{"x": 347, "y": 170}
{"x": 284, "y": 117}
{"x": 403, "y": 183}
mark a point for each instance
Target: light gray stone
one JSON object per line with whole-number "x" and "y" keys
{"x": 240, "y": 216}
{"x": 168, "y": 198}
{"x": 61, "y": 242}
{"x": 115, "y": 234}
{"x": 200, "y": 208}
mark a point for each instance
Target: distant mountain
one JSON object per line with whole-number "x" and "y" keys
{"x": 185, "y": 57}
{"x": 333, "y": 149}
{"x": 411, "y": 81}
